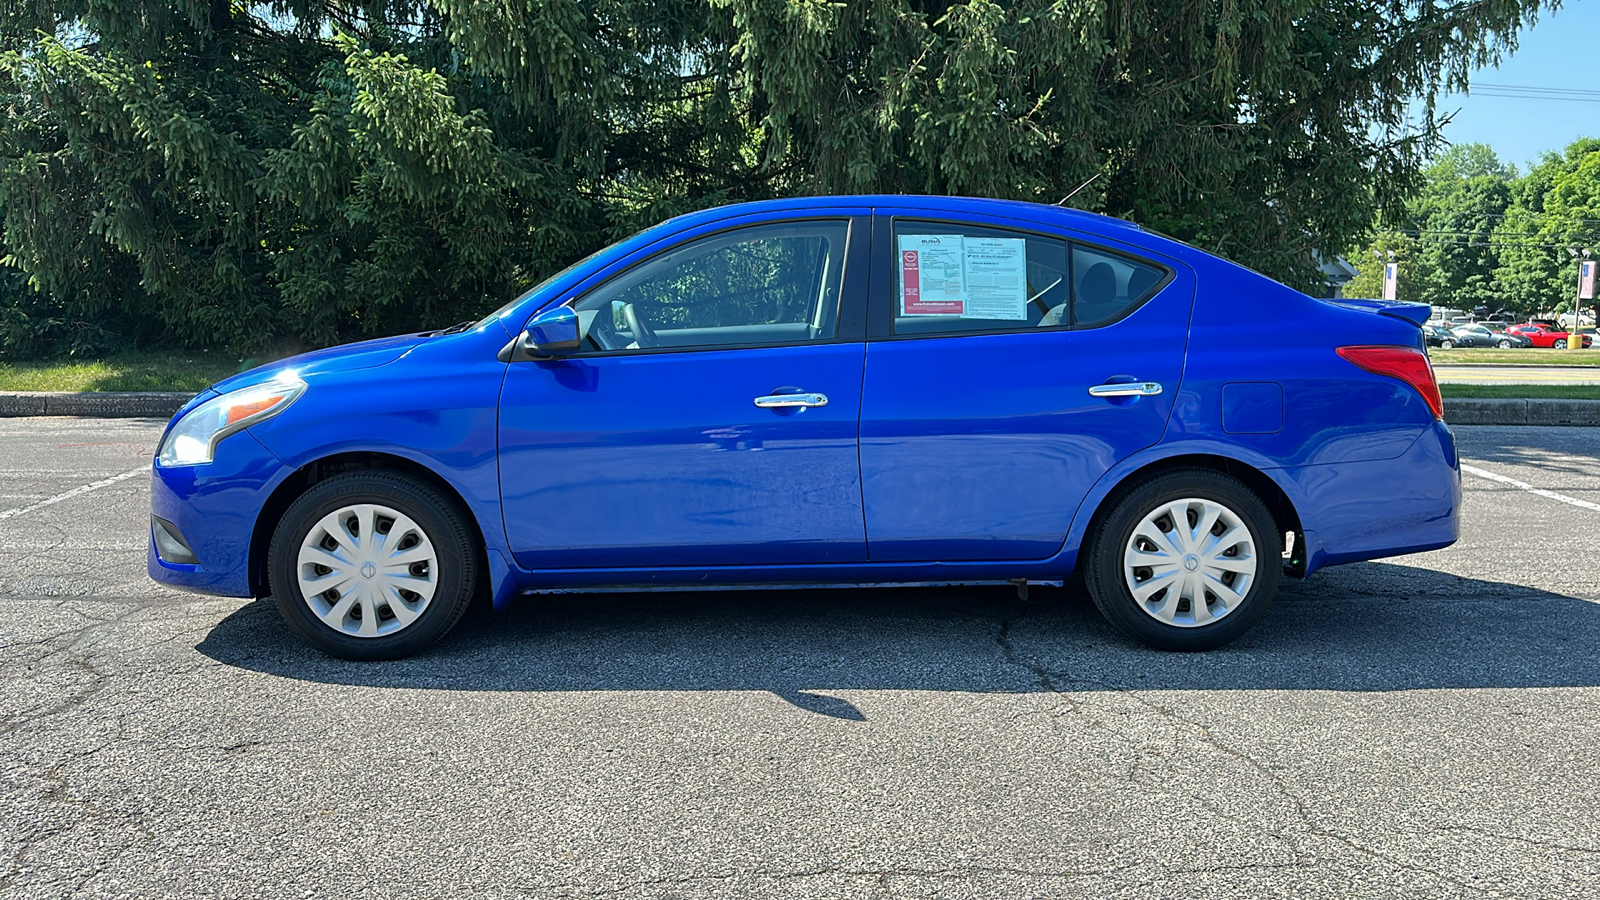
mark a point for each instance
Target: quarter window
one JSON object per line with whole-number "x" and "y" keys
{"x": 763, "y": 285}
{"x": 1108, "y": 285}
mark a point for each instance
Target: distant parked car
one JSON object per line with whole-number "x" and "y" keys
{"x": 1545, "y": 336}
{"x": 1486, "y": 338}
{"x": 1467, "y": 340}
{"x": 1441, "y": 337}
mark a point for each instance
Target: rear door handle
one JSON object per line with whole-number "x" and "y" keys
{"x": 785, "y": 401}
{"x": 1136, "y": 389}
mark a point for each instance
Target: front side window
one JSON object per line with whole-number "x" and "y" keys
{"x": 756, "y": 286}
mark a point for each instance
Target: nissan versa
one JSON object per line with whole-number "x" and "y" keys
{"x": 826, "y": 391}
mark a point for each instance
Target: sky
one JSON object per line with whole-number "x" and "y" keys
{"x": 1559, "y": 52}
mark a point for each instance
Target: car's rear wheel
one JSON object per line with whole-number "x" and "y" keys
{"x": 1560, "y": 344}
{"x": 372, "y": 565}
{"x": 1189, "y": 561}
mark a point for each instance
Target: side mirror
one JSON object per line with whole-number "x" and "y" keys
{"x": 551, "y": 333}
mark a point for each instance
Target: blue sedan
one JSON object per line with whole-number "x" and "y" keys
{"x": 826, "y": 391}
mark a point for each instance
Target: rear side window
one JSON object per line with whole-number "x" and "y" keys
{"x": 1108, "y": 285}
{"x": 969, "y": 279}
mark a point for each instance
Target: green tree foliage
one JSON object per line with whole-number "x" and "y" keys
{"x": 1463, "y": 200}
{"x": 1555, "y": 207}
{"x": 247, "y": 174}
{"x": 1450, "y": 238}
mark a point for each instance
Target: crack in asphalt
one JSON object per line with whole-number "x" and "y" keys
{"x": 97, "y": 679}
{"x": 1312, "y": 827}
{"x": 1511, "y": 838}
{"x": 905, "y": 872}
{"x": 954, "y": 872}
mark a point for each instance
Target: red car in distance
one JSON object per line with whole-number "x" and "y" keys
{"x": 1545, "y": 336}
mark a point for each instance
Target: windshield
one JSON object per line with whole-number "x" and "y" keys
{"x": 533, "y": 290}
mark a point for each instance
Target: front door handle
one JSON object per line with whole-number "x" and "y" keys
{"x": 786, "y": 401}
{"x": 1136, "y": 389}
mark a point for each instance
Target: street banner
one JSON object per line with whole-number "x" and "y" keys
{"x": 1586, "y": 273}
{"x": 1391, "y": 281}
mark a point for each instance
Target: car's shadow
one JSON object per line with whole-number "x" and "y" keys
{"x": 1367, "y": 627}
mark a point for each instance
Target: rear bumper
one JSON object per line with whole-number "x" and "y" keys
{"x": 1369, "y": 510}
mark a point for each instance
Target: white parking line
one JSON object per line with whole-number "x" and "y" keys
{"x": 1524, "y": 486}
{"x": 81, "y": 489}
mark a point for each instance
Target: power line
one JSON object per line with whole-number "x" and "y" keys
{"x": 1582, "y": 235}
{"x": 1524, "y": 87}
{"x": 1528, "y": 92}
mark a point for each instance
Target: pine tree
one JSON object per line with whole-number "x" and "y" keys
{"x": 226, "y": 173}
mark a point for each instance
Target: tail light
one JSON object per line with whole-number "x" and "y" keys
{"x": 1405, "y": 363}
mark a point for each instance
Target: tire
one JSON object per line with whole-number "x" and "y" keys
{"x": 1560, "y": 344}
{"x": 389, "y": 610}
{"x": 1504, "y": 345}
{"x": 1446, "y": 345}
{"x": 1177, "y": 623}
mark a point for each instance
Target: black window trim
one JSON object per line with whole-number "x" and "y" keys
{"x": 850, "y": 317}
{"x": 881, "y": 314}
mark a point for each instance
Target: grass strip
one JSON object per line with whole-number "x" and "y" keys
{"x": 1536, "y": 356}
{"x": 131, "y": 372}
{"x": 1520, "y": 391}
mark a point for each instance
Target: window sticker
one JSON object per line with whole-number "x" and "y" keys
{"x": 932, "y": 275}
{"x": 997, "y": 278}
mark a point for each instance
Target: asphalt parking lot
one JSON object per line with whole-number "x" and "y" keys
{"x": 1427, "y": 726}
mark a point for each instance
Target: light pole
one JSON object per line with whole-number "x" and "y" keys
{"x": 1586, "y": 291}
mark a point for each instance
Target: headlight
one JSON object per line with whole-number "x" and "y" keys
{"x": 194, "y": 439}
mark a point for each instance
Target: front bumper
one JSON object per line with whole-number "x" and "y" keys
{"x": 214, "y": 508}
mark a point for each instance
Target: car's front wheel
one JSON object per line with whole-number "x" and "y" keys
{"x": 1446, "y": 345}
{"x": 1188, "y": 561}
{"x": 372, "y": 565}
{"x": 1560, "y": 344}
{"x": 1505, "y": 345}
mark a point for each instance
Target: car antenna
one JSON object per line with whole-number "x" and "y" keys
{"x": 1063, "y": 200}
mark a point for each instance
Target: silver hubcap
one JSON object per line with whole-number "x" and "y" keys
{"x": 367, "y": 570}
{"x": 1190, "y": 562}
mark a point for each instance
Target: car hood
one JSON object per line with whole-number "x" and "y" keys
{"x": 344, "y": 358}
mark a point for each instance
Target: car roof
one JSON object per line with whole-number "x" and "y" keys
{"x": 938, "y": 202}
{"x": 1041, "y": 213}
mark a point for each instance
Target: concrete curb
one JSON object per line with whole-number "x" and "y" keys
{"x": 162, "y": 404}
{"x": 93, "y": 404}
{"x": 1521, "y": 412}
